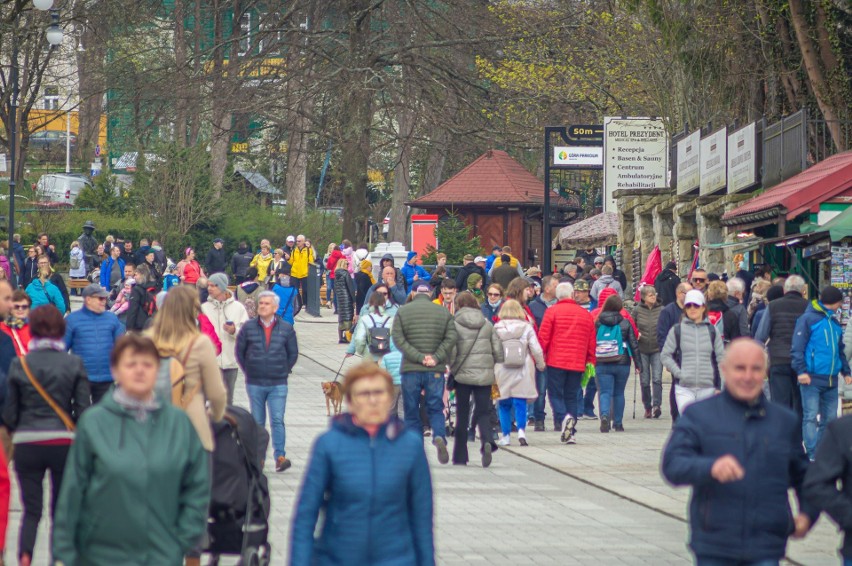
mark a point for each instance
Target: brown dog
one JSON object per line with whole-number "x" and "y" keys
{"x": 333, "y": 392}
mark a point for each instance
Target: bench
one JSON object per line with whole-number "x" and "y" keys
{"x": 77, "y": 283}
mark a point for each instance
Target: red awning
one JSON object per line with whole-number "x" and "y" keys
{"x": 805, "y": 191}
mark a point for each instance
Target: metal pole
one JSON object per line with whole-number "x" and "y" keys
{"x": 545, "y": 221}
{"x": 67, "y": 141}
{"x": 13, "y": 138}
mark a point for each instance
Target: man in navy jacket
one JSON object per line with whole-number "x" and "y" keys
{"x": 267, "y": 350}
{"x": 738, "y": 452}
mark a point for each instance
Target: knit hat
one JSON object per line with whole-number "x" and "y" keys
{"x": 830, "y": 295}
{"x": 468, "y": 257}
{"x": 473, "y": 279}
{"x": 361, "y": 254}
{"x": 671, "y": 266}
{"x": 220, "y": 280}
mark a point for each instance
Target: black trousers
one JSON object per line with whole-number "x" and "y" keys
{"x": 673, "y": 403}
{"x": 481, "y": 416}
{"x": 98, "y": 389}
{"x": 784, "y": 390}
{"x": 31, "y": 463}
{"x": 301, "y": 286}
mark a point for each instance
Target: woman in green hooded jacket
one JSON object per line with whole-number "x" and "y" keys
{"x": 135, "y": 489}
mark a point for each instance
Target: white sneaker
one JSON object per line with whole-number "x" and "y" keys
{"x": 567, "y": 428}
{"x": 504, "y": 441}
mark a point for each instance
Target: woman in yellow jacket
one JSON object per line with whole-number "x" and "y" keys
{"x": 262, "y": 261}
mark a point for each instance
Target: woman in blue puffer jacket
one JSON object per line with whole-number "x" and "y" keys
{"x": 370, "y": 476}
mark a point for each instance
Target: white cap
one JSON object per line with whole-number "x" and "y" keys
{"x": 291, "y": 239}
{"x": 479, "y": 258}
{"x": 694, "y": 297}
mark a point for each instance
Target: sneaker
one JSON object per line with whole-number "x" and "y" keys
{"x": 441, "y": 447}
{"x": 427, "y": 431}
{"x": 538, "y": 426}
{"x": 657, "y": 412}
{"x": 571, "y": 439}
{"x": 590, "y": 417}
{"x": 504, "y": 441}
{"x": 567, "y": 428}
{"x": 486, "y": 455}
{"x": 282, "y": 463}
{"x": 604, "y": 423}
{"x": 523, "y": 441}
{"x": 618, "y": 428}
{"x": 647, "y": 413}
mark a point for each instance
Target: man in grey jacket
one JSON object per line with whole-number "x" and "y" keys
{"x": 606, "y": 280}
{"x": 425, "y": 334}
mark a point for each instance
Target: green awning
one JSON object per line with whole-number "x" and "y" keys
{"x": 840, "y": 226}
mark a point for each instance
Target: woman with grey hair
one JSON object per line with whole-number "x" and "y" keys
{"x": 646, "y": 314}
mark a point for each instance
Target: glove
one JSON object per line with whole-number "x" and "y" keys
{"x": 587, "y": 375}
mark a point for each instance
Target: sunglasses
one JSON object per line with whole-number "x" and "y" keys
{"x": 382, "y": 293}
{"x": 699, "y": 279}
{"x": 20, "y": 307}
{"x": 692, "y": 306}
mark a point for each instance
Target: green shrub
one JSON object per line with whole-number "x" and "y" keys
{"x": 454, "y": 239}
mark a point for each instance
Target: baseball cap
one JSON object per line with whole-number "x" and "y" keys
{"x": 95, "y": 290}
{"x": 479, "y": 258}
{"x": 218, "y": 241}
{"x": 581, "y": 285}
{"x": 694, "y": 297}
{"x": 423, "y": 288}
{"x": 291, "y": 238}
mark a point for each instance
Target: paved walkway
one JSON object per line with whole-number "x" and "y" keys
{"x": 601, "y": 501}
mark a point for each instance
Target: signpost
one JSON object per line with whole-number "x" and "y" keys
{"x": 688, "y": 163}
{"x": 714, "y": 163}
{"x": 636, "y": 152}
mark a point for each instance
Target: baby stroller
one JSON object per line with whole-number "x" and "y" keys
{"x": 239, "y": 498}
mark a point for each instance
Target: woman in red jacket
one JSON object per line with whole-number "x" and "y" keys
{"x": 17, "y": 324}
{"x": 189, "y": 270}
{"x": 330, "y": 265}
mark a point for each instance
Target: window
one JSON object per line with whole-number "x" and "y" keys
{"x": 51, "y": 98}
{"x": 245, "y": 33}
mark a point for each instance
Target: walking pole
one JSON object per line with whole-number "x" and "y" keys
{"x": 634, "y": 396}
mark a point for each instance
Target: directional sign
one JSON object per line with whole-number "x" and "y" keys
{"x": 592, "y": 134}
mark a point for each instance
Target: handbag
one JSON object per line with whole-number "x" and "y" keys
{"x": 451, "y": 381}
{"x": 60, "y": 412}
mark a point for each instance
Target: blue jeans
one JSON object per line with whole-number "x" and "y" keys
{"x": 714, "y": 561}
{"x": 817, "y": 399}
{"x": 541, "y": 387}
{"x": 329, "y": 287}
{"x": 505, "y": 406}
{"x": 586, "y": 402}
{"x": 612, "y": 379}
{"x": 562, "y": 386}
{"x": 274, "y": 397}
{"x": 413, "y": 382}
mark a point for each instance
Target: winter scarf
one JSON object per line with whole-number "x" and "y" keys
{"x": 367, "y": 268}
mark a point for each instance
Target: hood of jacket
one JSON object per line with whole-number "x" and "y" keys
{"x": 606, "y": 293}
{"x": 410, "y": 255}
{"x": 816, "y": 306}
{"x": 470, "y": 318}
{"x": 610, "y": 318}
{"x": 717, "y": 305}
{"x": 511, "y": 328}
{"x": 391, "y": 430}
{"x": 666, "y": 275}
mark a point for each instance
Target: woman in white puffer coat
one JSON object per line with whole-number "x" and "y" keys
{"x": 516, "y": 383}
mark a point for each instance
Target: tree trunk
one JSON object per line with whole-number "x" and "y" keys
{"x": 182, "y": 102}
{"x": 91, "y": 83}
{"x": 816, "y": 75}
{"x": 296, "y": 180}
{"x": 398, "y": 229}
{"x": 355, "y": 161}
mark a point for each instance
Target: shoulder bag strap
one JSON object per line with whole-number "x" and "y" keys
{"x": 182, "y": 378}
{"x": 467, "y": 355}
{"x": 66, "y": 420}
{"x": 24, "y": 350}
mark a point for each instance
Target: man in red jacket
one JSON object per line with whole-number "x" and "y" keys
{"x": 567, "y": 336}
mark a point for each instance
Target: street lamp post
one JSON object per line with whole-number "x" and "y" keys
{"x": 54, "y": 38}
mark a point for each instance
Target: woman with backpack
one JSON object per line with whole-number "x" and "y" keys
{"x": 43, "y": 416}
{"x": 77, "y": 262}
{"x": 692, "y": 353}
{"x": 143, "y": 300}
{"x": 371, "y": 337}
{"x": 522, "y": 355}
{"x": 471, "y": 365}
{"x": 616, "y": 344}
{"x": 200, "y": 392}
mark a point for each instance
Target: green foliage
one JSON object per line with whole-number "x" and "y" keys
{"x": 454, "y": 240}
{"x": 107, "y": 196}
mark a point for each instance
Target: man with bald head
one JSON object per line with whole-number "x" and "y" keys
{"x": 740, "y": 455}
{"x": 388, "y": 276}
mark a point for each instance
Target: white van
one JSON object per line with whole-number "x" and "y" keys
{"x": 61, "y": 188}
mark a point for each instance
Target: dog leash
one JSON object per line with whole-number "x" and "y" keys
{"x": 337, "y": 376}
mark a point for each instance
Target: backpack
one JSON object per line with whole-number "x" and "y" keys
{"x": 379, "y": 343}
{"x": 717, "y": 321}
{"x": 75, "y": 261}
{"x": 172, "y": 376}
{"x": 514, "y": 353}
{"x": 150, "y": 304}
{"x": 609, "y": 343}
